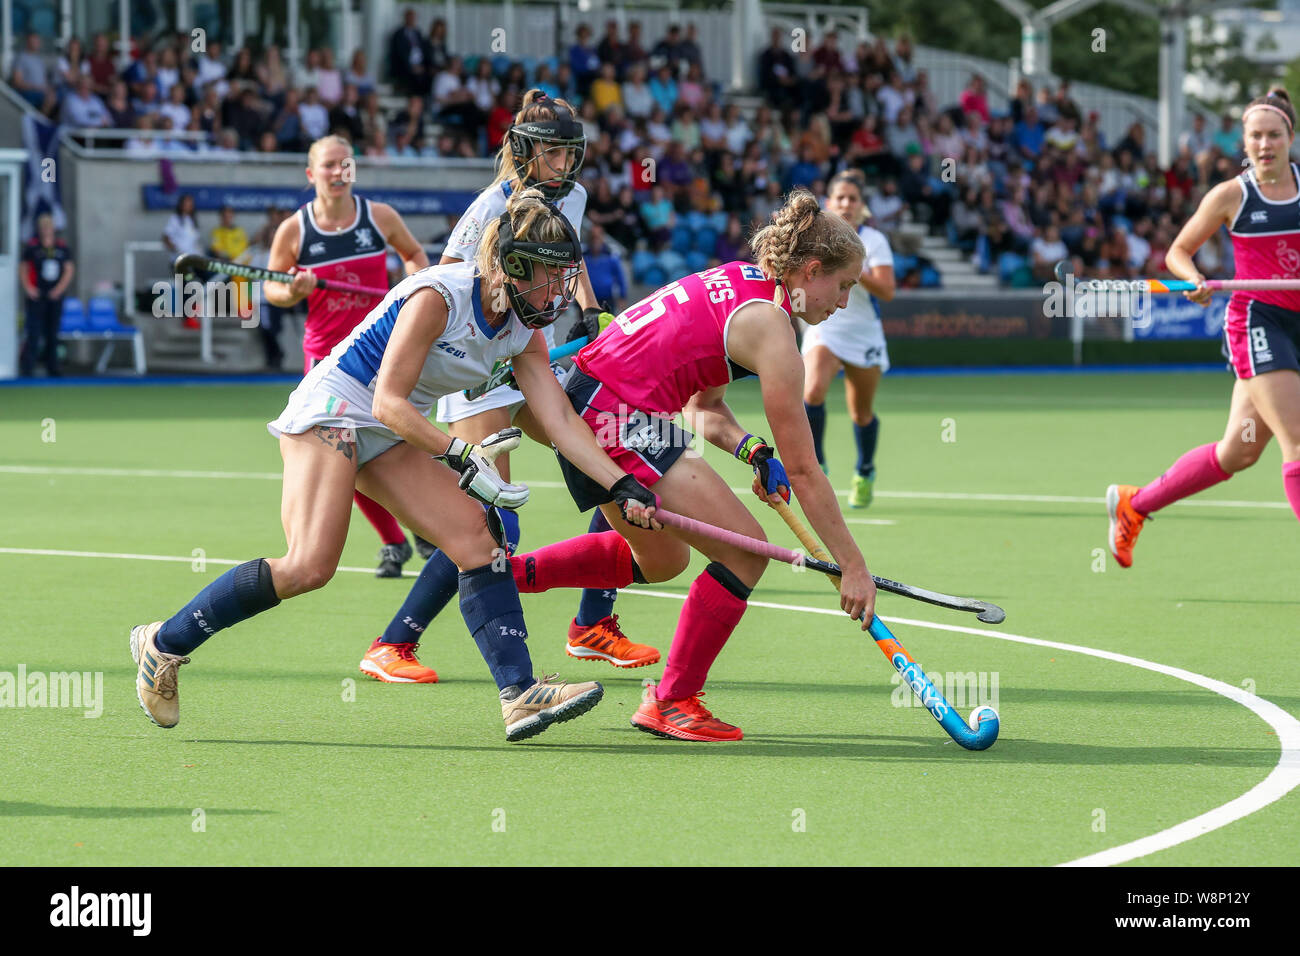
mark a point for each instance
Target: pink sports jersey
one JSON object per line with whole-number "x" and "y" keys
{"x": 670, "y": 345}
{"x": 355, "y": 255}
{"x": 1266, "y": 244}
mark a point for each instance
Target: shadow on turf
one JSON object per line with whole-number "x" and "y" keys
{"x": 850, "y": 747}
{"x": 11, "y": 808}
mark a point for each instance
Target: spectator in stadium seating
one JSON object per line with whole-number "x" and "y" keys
{"x": 729, "y": 184}
{"x": 288, "y": 127}
{"x": 827, "y": 55}
{"x": 207, "y": 114}
{"x": 902, "y": 136}
{"x": 634, "y": 51}
{"x": 273, "y": 77}
{"x": 946, "y": 143}
{"x": 638, "y": 101}
{"x": 713, "y": 129}
{"x": 777, "y": 77}
{"x": 182, "y": 236}
{"x": 72, "y": 63}
{"x": 1028, "y": 136}
{"x": 805, "y": 171}
{"x": 314, "y": 116}
{"x": 657, "y": 217}
{"x": 142, "y": 72}
{"x": 564, "y": 80}
{"x": 668, "y": 52}
{"x": 625, "y": 229}
{"x": 358, "y": 73}
{"x": 409, "y": 121}
{"x": 410, "y": 58}
{"x": 926, "y": 194}
{"x": 1065, "y": 104}
{"x": 610, "y": 49}
{"x": 243, "y": 71}
{"x": 376, "y": 144}
{"x": 308, "y": 72}
{"x": 483, "y": 87}
{"x": 732, "y": 244}
{"x": 1134, "y": 142}
{"x": 545, "y": 81}
{"x": 1045, "y": 251}
{"x": 894, "y": 98}
{"x": 167, "y": 75}
{"x": 372, "y": 115}
{"x": 974, "y": 99}
{"x": 210, "y": 68}
{"x": 605, "y": 90}
{"x": 657, "y": 129}
{"x": 175, "y": 109}
{"x": 454, "y": 101}
{"x": 608, "y": 279}
{"x": 30, "y": 76}
{"x": 83, "y": 109}
{"x": 345, "y": 117}
{"x": 103, "y": 68}
{"x": 501, "y": 117}
{"x": 119, "y": 107}
{"x": 329, "y": 79}
{"x": 1228, "y": 137}
{"x": 1021, "y": 101}
{"x": 438, "y": 53}
{"x": 584, "y": 62}
{"x": 902, "y": 58}
{"x": 247, "y": 116}
{"x": 691, "y": 53}
{"x": 694, "y": 90}
{"x": 738, "y": 133}
{"x": 403, "y": 145}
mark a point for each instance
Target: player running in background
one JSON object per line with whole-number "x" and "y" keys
{"x": 542, "y": 149}
{"x": 852, "y": 339}
{"x": 341, "y": 236}
{"x": 677, "y": 350}
{"x": 1261, "y": 329}
{"x": 359, "y": 420}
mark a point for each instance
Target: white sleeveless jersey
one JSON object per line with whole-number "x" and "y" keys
{"x": 854, "y": 334}
{"x": 463, "y": 356}
{"x": 488, "y": 206}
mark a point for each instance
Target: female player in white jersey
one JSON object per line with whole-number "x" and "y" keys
{"x": 359, "y": 420}
{"x": 542, "y": 149}
{"x": 853, "y": 339}
{"x": 1261, "y": 329}
{"x": 344, "y": 237}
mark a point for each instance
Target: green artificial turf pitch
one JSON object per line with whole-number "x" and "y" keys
{"x": 285, "y": 754}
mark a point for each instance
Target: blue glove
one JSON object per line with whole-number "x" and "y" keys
{"x": 757, "y": 453}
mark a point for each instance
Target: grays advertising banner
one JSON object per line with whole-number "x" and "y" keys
{"x": 976, "y": 316}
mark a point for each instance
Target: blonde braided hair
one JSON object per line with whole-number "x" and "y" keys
{"x": 800, "y": 232}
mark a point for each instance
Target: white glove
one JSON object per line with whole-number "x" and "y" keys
{"x": 477, "y": 476}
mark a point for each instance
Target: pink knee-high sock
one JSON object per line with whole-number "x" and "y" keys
{"x": 1195, "y": 471}
{"x": 710, "y": 615}
{"x": 390, "y": 532}
{"x": 1291, "y": 482}
{"x": 588, "y": 561}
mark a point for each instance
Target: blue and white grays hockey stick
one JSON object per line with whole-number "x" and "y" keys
{"x": 503, "y": 373}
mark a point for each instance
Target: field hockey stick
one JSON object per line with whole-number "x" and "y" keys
{"x": 1175, "y": 285}
{"x": 504, "y": 371}
{"x": 192, "y": 262}
{"x": 983, "y": 610}
{"x": 977, "y": 734}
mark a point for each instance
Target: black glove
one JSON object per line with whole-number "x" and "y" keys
{"x": 592, "y": 323}
{"x": 628, "y": 489}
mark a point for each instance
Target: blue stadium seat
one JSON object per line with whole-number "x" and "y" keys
{"x": 682, "y": 237}
{"x": 1008, "y": 263}
{"x": 705, "y": 239}
{"x": 500, "y": 63}
{"x": 930, "y": 278}
{"x": 697, "y": 220}
{"x": 530, "y": 67}
{"x": 718, "y": 222}
{"x": 673, "y": 263}
{"x": 102, "y": 315}
{"x": 697, "y": 261}
{"x": 553, "y": 62}
{"x": 642, "y": 260}
{"x": 655, "y": 276}
{"x": 74, "y": 315}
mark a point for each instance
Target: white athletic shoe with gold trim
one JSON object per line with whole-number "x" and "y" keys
{"x": 549, "y": 701}
{"x": 156, "y": 679}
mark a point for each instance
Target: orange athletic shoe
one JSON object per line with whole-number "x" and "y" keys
{"x": 604, "y": 641}
{"x": 1125, "y": 522}
{"x": 396, "y": 664}
{"x": 686, "y": 719}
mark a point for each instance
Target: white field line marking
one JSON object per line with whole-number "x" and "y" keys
{"x": 921, "y": 495}
{"x": 1284, "y": 777}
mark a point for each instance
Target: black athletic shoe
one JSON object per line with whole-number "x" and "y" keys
{"x": 426, "y": 548}
{"x": 391, "y": 559}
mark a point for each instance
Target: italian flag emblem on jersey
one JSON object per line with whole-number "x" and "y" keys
{"x": 335, "y": 406}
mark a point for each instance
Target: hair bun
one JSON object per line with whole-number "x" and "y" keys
{"x": 1280, "y": 93}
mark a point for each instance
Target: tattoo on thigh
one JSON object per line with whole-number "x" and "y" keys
{"x": 342, "y": 439}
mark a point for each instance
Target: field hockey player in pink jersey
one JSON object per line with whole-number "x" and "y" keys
{"x": 1261, "y": 330}
{"x": 344, "y": 237}
{"x": 677, "y": 350}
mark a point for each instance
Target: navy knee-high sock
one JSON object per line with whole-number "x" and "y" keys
{"x": 489, "y": 600}
{"x": 596, "y": 604}
{"x": 817, "y": 421}
{"x": 434, "y": 588}
{"x": 866, "y": 436}
{"x": 235, "y": 596}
